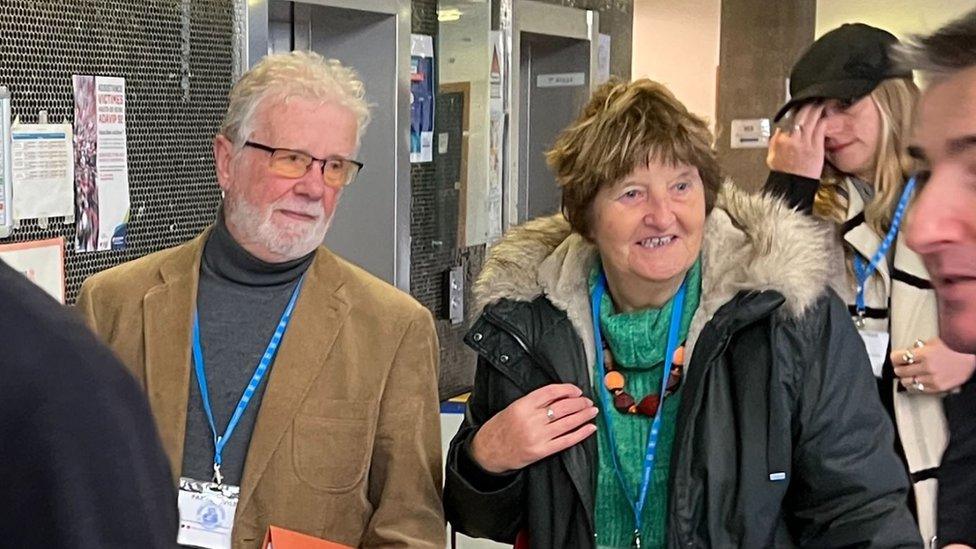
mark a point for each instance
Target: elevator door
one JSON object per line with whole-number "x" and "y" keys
{"x": 371, "y": 220}
{"x": 364, "y": 230}
{"x": 554, "y": 86}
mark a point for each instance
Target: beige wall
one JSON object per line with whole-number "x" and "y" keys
{"x": 900, "y": 17}
{"x": 677, "y": 44}
{"x": 755, "y": 57}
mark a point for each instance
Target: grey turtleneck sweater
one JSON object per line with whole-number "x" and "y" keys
{"x": 240, "y": 300}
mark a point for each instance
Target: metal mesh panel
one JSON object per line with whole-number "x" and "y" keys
{"x": 177, "y": 61}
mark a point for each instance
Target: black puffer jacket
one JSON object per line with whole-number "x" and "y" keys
{"x": 775, "y": 385}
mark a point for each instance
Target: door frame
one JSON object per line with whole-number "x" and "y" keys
{"x": 536, "y": 17}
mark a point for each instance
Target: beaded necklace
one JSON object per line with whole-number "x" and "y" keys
{"x": 615, "y": 381}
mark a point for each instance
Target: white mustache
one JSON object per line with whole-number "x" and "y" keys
{"x": 315, "y": 210}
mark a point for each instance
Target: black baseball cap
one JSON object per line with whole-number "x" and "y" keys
{"x": 846, "y": 63}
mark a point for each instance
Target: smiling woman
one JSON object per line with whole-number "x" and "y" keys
{"x": 648, "y": 229}
{"x": 589, "y": 322}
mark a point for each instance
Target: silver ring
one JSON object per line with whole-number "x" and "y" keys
{"x": 908, "y": 357}
{"x": 919, "y": 344}
{"x": 550, "y": 414}
{"x": 917, "y": 385}
{"x": 797, "y": 128}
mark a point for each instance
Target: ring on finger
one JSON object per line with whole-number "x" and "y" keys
{"x": 797, "y": 128}
{"x": 918, "y": 385}
{"x": 908, "y": 357}
{"x": 550, "y": 414}
{"x": 918, "y": 344}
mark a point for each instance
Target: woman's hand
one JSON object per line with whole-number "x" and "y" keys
{"x": 933, "y": 365}
{"x": 526, "y": 431}
{"x": 800, "y": 151}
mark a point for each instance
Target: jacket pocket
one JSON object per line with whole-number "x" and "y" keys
{"x": 332, "y": 453}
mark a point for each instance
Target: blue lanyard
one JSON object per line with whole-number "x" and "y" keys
{"x": 863, "y": 272}
{"x": 252, "y": 386}
{"x": 649, "y": 454}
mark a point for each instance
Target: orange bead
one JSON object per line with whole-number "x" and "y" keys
{"x": 679, "y": 355}
{"x": 613, "y": 381}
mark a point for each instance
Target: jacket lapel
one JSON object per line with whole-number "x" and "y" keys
{"x": 906, "y": 260}
{"x": 167, "y": 319}
{"x": 321, "y": 309}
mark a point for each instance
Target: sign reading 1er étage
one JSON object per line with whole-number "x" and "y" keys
{"x": 561, "y": 80}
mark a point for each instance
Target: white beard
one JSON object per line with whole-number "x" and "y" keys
{"x": 288, "y": 239}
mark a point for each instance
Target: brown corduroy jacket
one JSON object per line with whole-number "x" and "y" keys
{"x": 347, "y": 440}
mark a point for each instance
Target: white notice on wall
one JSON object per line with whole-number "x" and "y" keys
{"x": 43, "y": 171}
{"x": 495, "y": 72}
{"x": 41, "y": 261}
{"x": 750, "y": 133}
{"x": 497, "y": 100}
{"x": 6, "y": 196}
{"x": 421, "y": 98}
{"x": 101, "y": 163}
{"x": 603, "y": 59}
{"x": 561, "y": 80}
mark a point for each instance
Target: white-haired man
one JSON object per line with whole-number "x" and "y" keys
{"x": 941, "y": 227}
{"x": 290, "y": 387}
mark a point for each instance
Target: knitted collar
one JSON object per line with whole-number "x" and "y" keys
{"x": 637, "y": 339}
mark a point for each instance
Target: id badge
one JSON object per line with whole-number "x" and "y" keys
{"x": 206, "y": 513}
{"x": 876, "y": 344}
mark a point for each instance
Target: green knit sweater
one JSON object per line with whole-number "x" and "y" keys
{"x": 637, "y": 341}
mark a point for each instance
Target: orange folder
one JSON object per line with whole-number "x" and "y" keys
{"x": 279, "y": 538}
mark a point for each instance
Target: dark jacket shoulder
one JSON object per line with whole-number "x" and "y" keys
{"x": 78, "y": 420}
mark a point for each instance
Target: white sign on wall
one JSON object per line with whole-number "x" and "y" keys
{"x": 752, "y": 133}
{"x": 41, "y": 261}
{"x": 6, "y": 194}
{"x": 101, "y": 174}
{"x": 603, "y": 59}
{"x": 561, "y": 80}
{"x": 42, "y": 161}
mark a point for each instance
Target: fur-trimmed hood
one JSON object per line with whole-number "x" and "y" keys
{"x": 752, "y": 242}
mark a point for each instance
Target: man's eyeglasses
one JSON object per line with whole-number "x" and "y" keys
{"x": 337, "y": 172}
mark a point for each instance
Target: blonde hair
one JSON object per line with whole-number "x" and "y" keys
{"x": 625, "y": 125}
{"x": 895, "y": 99}
{"x": 298, "y": 74}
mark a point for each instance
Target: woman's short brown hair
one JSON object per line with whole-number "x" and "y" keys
{"x": 624, "y": 126}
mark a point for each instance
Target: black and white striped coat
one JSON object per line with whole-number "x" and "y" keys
{"x": 900, "y": 300}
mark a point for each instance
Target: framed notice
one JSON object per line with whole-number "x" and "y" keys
{"x": 41, "y": 261}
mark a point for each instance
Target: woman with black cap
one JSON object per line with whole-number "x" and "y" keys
{"x": 844, "y": 158}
